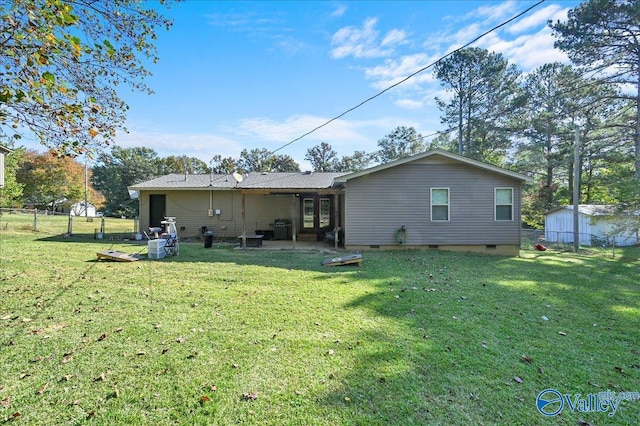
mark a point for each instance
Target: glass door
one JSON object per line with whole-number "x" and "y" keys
{"x": 316, "y": 214}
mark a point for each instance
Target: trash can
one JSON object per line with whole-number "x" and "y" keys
{"x": 208, "y": 239}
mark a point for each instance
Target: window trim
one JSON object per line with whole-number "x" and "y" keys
{"x": 431, "y": 204}
{"x": 495, "y": 203}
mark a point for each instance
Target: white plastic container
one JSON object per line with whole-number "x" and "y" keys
{"x": 156, "y": 248}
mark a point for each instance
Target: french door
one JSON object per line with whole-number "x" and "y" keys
{"x": 316, "y": 214}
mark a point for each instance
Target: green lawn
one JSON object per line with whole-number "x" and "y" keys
{"x": 221, "y": 336}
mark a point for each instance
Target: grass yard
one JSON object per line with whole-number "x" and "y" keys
{"x": 225, "y": 337}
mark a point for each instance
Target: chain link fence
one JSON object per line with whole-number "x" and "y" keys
{"x": 52, "y": 223}
{"x": 564, "y": 240}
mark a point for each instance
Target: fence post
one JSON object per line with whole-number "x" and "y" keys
{"x": 35, "y": 220}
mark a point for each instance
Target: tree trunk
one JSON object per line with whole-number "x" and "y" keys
{"x": 460, "y": 124}
{"x": 636, "y": 136}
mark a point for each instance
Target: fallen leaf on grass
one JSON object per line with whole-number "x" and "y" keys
{"x": 180, "y": 340}
{"x": 250, "y": 396}
{"x": 5, "y": 401}
{"x": 562, "y": 333}
{"x": 119, "y": 329}
{"x": 102, "y": 337}
{"x": 527, "y": 359}
{"x": 204, "y": 398}
{"x": 619, "y": 369}
{"x": 25, "y": 375}
{"x": 43, "y": 389}
{"x": 14, "y": 415}
{"x": 67, "y": 358}
{"x": 68, "y": 377}
{"x": 518, "y": 380}
{"x": 100, "y": 378}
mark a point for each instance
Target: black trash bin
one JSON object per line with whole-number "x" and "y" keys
{"x": 208, "y": 239}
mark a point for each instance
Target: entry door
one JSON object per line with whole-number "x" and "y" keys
{"x": 157, "y": 209}
{"x": 317, "y": 214}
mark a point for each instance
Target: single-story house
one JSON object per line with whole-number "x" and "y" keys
{"x": 3, "y": 151}
{"x": 79, "y": 209}
{"x": 597, "y": 225}
{"x": 435, "y": 199}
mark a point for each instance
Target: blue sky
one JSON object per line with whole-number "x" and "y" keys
{"x": 236, "y": 75}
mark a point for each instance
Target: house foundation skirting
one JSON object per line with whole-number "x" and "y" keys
{"x": 497, "y": 249}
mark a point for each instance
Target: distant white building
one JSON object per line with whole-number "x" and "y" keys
{"x": 597, "y": 225}
{"x": 78, "y": 209}
{"x": 3, "y": 151}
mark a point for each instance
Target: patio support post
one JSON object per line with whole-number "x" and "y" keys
{"x": 294, "y": 220}
{"x": 244, "y": 228}
{"x": 336, "y": 215}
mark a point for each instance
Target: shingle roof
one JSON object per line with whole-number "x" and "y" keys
{"x": 591, "y": 209}
{"x": 254, "y": 180}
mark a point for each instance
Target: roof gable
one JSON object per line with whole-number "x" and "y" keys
{"x": 433, "y": 154}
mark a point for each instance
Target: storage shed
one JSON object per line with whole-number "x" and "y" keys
{"x": 597, "y": 225}
{"x": 3, "y": 151}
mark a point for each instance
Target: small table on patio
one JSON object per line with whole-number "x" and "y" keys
{"x": 252, "y": 240}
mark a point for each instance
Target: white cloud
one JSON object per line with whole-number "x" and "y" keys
{"x": 288, "y": 45}
{"x": 493, "y": 13}
{"x": 339, "y": 11}
{"x": 538, "y": 18}
{"x": 198, "y": 145}
{"x": 527, "y": 51}
{"x": 280, "y": 132}
{"x": 364, "y": 41}
{"x": 392, "y": 71}
{"x": 409, "y": 104}
{"x": 394, "y": 37}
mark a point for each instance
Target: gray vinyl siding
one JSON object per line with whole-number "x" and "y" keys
{"x": 376, "y": 205}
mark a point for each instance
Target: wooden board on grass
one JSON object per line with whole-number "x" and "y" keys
{"x": 118, "y": 256}
{"x": 352, "y": 259}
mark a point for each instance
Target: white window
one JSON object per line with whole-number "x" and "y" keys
{"x": 439, "y": 204}
{"x": 503, "y": 200}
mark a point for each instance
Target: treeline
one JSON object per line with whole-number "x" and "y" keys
{"x": 533, "y": 123}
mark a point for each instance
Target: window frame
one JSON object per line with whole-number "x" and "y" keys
{"x": 496, "y": 205}
{"x": 448, "y": 205}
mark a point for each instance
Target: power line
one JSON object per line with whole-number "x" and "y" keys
{"x": 410, "y": 76}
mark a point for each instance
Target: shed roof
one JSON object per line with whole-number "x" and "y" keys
{"x": 433, "y": 153}
{"x": 253, "y": 180}
{"x": 590, "y": 209}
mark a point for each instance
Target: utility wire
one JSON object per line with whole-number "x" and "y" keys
{"x": 410, "y": 76}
